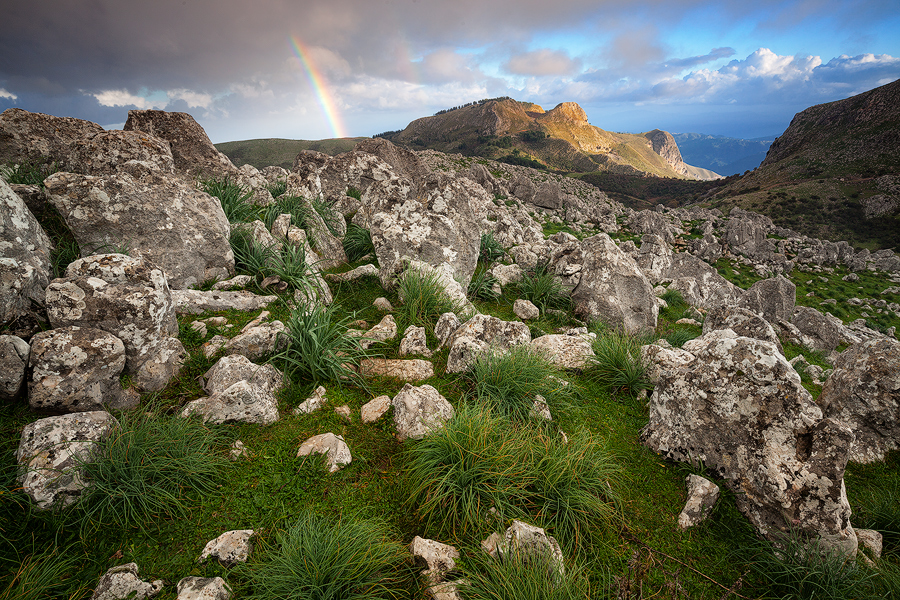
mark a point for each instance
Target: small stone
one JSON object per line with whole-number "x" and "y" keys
{"x": 541, "y": 409}
{"x": 336, "y": 451}
{"x": 383, "y": 304}
{"x": 238, "y": 450}
{"x": 235, "y": 282}
{"x": 404, "y": 370}
{"x": 702, "y": 496}
{"x": 122, "y": 582}
{"x": 526, "y": 310}
{"x": 375, "y": 409}
{"x": 313, "y": 403}
{"x": 199, "y": 327}
{"x": 256, "y": 322}
{"x": 413, "y": 342}
{"x": 230, "y": 548}
{"x": 437, "y": 558}
{"x": 343, "y": 411}
{"x": 203, "y": 588}
{"x": 212, "y": 347}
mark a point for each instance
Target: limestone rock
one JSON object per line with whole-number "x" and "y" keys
{"x": 203, "y": 588}
{"x": 743, "y": 322}
{"x": 50, "y": 450}
{"x": 395, "y": 368}
{"x": 76, "y": 369}
{"x": 240, "y": 402}
{"x": 482, "y": 333}
{"x": 437, "y": 558}
{"x": 337, "y": 454}
{"x": 654, "y": 257}
{"x": 157, "y": 216}
{"x": 446, "y": 326}
{"x": 129, "y": 298}
{"x": 122, "y": 582}
{"x": 566, "y": 351}
{"x": 14, "y": 353}
{"x": 507, "y": 274}
{"x": 374, "y": 409}
{"x": 864, "y": 392}
{"x": 525, "y": 310}
{"x": 109, "y": 152}
{"x": 230, "y": 548}
{"x": 29, "y": 137}
{"x": 419, "y": 411}
{"x": 659, "y": 359}
{"x": 413, "y": 342}
{"x": 228, "y": 370}
{"x": 613, "y": 288}
{"x": 871, "y": 540}
{"x": 702, "y": 495}
{"x": 740, "y": 408}
{"x": 192, "y": 151}
{"x": 773, "y": 299}
{"x": 699, "y": 283}
{"x": 313, "y": 403}
{"x": 195, "y": 302}
{"x": 24, "y": 255}
{"x": 386, "y": 329}
{"x": 259, "y": 342}
{"x": 383, "y": 304}
{"x": 822, "y": 331}
{"x": 524, "y": 541}
{"x": 360, "y": 271}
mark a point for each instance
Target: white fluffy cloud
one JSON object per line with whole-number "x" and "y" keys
{"x": 7, "y": 95}
{"x": 125, "y": 98}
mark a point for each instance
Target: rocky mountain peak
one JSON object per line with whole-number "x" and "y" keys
{"x": 569, "y": 112}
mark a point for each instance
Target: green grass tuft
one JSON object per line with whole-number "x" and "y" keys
{"x": 235, "y": 199}
{"x": 358, "y": 243}
{"x": 543, "y": 289}
{"x": 617, "y": 366}
{"x": 424, "y": 300}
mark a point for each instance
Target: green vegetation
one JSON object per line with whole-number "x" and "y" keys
{"x": 521, "y": 578}
{"x": 235, "y": 199}
{"x": 423, "y": 300}
{"x": 358, "y": 243}
{"x": 540, "y": 287}
{"x": 617, "y": 366}
{"x": 281, "y": 152}
{"x": 490, "y": 249}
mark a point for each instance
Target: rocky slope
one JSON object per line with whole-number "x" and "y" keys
{"x": 833, "y": 173}
{"x": 561, "y": 138}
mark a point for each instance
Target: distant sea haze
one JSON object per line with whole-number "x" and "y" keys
{"x": 724, "y": 155}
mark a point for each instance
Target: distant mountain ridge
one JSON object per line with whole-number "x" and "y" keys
{"x": 722, "y": 154}
{"x": 834, "y": 173}
{"x": 281, "y": 152}
{"x": 561, "y": 138}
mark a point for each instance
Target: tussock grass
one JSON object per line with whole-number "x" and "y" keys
{"x": 318, "y": 347}
{"x": 146, "y": 469}
{"x": 29, "y": 173}
{"x": 520, "y": 579}
{"x": 318, "y": 558}
{"x": 508, "y": 382}
{"x": 285, "y": 204}
{"x": 332, "y": 218}
{"x": 482, "y": 285}
{"x": 618, "y": 366}
{"x": 423, "y": 300}
{"x": 43, "y": 575}
{"x": 490, "y": 249}
{"x": 543, "y": 289}
{"x": 235, "y": 199}
{"x": 357, "y": 243}
{"x": 277, "y": 188}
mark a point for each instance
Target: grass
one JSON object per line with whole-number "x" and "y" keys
{"x": 285, "y": 204}
{"x": 508, "y": 382}
{"x": 235, "y": 199}
{"x": 332, "y": 218}
{"x": 543, "y": 289}
{"x": 358, "y": 243}
{"x": 318, "y": 347}
{"x": 277, "y": 188}
{"x": 521, "y": 579}
{"x": 44, "y": 575}
{"x": 617, "y": 366}
{"x": 490, "y": 249}
{"x": 319, "y": 558}
{"x": 482, "y": 285}
{"x": 28, "y": 173}
{"x": 423, "y": 300}
{"x": 147, "y": 469}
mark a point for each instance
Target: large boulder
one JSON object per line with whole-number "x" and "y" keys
{"x": 76, "y": 369}
{"x": 109, "y": 152}
{"x": 654, "y": 257}
{"x": 613, "y": 288}
{"x": 154, "y": 216}
{"x": 24, "y": 256}
{"x": 743, "y": 322}
{"x": 864, "y": 392}
{"x": 483, "y": 333}
{"x": 747, "y": 237}
{"x": 239, "y": 391}
{"x": 739, "y": 408}
{"x": 14, "y": 353}
{"x": 822, "y": 331}
{"x": 773, "y": 299}
{"x": 33, "y": 137}
{"x": 437, "y": 226}
{"x": 192, "y": 151}
{"x": 699, "y": 283}
{"x": 129, "y": 298}
{"x": 51, "y": 450}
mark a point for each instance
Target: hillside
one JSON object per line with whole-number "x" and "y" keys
{"x": 834, "y": 173}
{"x": 561, "y": 138}
{"x": 281, "y": 152}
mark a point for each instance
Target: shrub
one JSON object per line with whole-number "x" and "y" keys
{"x": 318, "y": 347}
{"x": 508, "y": 382}
{"x": 543, "y": 289}
{"x": 320, "y": 559}
{"x": 357, "y": 243}
{"x": 423, "y": 299}
{"x": 144, "y": 469}
{"x": 235, "y": 199}
{"x": 472, "y": 464}
{"x": 490, "y": 249}
{"x": 618, "y": 366}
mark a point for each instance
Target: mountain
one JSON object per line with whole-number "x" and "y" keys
{"x": 562, "y": 139}
{"x": 834, "y": 173}
{"x": 276, "y": 151}
{"x": 724, "y": 155}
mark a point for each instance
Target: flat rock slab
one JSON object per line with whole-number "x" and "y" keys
{"x": 404, "y": 370}
{"x": 195, "y": 302}
{"x": 566, "y": 351}
{"x": 230, "y": 548}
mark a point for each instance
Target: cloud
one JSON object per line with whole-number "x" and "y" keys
{"x": 191, "y": 99}
{"x": 542, "y": 63}
{"x": 7, "y": 95}
{"x": 125, "y": 98}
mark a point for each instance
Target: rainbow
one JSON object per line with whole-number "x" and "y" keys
{"x": 320, "y": 86}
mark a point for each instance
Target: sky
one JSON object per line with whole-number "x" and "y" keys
{"x": 303, "y": 69}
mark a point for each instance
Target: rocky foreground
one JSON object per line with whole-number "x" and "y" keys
{"x": 728, "y": 399}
